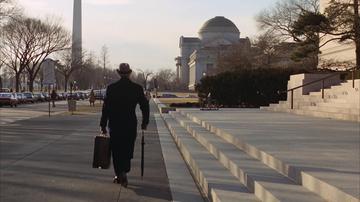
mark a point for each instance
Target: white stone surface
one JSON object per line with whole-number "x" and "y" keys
{"x": 341, "y": 101}
{"x": 182, "y": 185}
{"x": 321, "y": 154}
{"x": 267, "y": 184}
{"x": 215, "y": 181}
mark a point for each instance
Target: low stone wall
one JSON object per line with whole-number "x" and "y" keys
{"x": 300, "y": 79}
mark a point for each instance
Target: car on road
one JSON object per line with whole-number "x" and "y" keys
{"x": 29, "y": 97}
{"x": 46, "y": 95}
{"x": 21, "y": 98}
{"x": 100, "y": 94}
{"x": 191, "y": 96}
{"x": 61, "y": 96}
{"x": 5, "y": 90}
{"x": 39, "y": 97}
{"x": 8, "y": 99}
{"x": 168, "y": 95}
{"x": 80, "y": 95}
{"x": 73, "y": 96}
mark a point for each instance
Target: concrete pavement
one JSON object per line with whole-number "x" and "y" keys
{"x": 26, "y": 111}
{"x": 320, "y": 154}
{"x": 44, "y": 159}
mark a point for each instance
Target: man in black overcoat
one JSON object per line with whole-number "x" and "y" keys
{"x": 118, "y": 113}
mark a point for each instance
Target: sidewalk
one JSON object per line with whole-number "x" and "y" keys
{"x": 45, "y": 159}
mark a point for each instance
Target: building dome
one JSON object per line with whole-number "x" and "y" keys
{"x": 219, "y": 24}
{"x": 219, "y": 29}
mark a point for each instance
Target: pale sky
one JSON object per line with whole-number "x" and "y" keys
{"x": 145, "y": 33}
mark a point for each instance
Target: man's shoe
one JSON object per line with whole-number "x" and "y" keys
{"x": 124, "y": 181}
{"x": 117, "y": 180}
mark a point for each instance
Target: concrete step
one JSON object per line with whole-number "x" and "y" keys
{"x": 335, "y": 94}
{"x": 182, "y": 184}
{"x": 267, "y": 184}
{"x": 314, "y": 113}
{"x": 310, "y": 181}
{"x": 215, "y": 181}
{"x": 349, "y": 100}
{"x": 348, "y": 83}
{"x": 332, "y": 109}
{"x": 330, "y": 115}
{"x": 339, "y": 105}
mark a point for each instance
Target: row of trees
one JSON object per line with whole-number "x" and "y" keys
{"x": 303, "y": 22}
{"x": 26, "y": 42}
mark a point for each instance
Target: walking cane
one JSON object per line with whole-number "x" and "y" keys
{"x": 142, "y": 154}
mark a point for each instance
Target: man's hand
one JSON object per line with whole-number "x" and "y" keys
{"x": 103, "y": 130}
{"x": 143, "y": 126}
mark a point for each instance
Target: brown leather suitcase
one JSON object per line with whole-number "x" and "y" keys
{"x": 102, "y": 154}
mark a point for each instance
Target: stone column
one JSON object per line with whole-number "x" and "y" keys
{"x": 77, "y": 33}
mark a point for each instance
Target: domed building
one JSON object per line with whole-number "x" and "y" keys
{"x": 198, "y": 56}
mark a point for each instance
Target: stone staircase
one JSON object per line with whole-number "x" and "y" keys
{"x": 227, "y": 168}
{"x": 340, "y": 102}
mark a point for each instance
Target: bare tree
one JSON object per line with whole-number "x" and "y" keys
{"x": 50, "y": 37}
{"x": 8, "y": 10}
{"x": 297, "y": 20}
{"x": 26, "y": 42}
{"x": 343, "y": 16}
{"x": 279, "y": 19}
{"x": 144, "y": 76}
{"x": 66, "y": 66}
{"x": 233, "y": 58}
{"x": 14, "y": 49}
{"x": 165, "y": 79}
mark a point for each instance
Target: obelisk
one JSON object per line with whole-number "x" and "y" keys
{"x": 77, "y": 34}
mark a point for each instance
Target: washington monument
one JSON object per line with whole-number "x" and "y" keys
{"x": 76, "y": 34}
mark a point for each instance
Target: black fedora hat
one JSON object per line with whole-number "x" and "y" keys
{"x": 124, "y": 68}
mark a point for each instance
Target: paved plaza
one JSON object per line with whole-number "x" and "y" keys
{"x": 50, "y": 159}
{"x": 320, "y": 154}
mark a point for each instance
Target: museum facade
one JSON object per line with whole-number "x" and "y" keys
{"x": 199, "y": 55}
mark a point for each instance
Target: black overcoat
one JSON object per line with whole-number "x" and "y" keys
{"x": 118, "y": 113}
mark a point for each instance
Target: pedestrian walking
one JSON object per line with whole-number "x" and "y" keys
{"x": 92, "y": 98}
{"x": 53, "y": 97}
{"x": 148, "y": 95}
{"x": 118, "y": 114}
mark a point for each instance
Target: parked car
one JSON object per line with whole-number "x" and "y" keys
{"x": 39, "y": 97}
{"x": 191, "y": 96}
{"x": 46, "y": 95}
{"x": 29, "y": 97}
{"x": 5, "y": 90}
{"x": 100, "y": 94}
{"x": 8, "y": 99}
{"x": 63, "y": 96}
{"x": 73, "y": 96}
{"x": 167, "y": 95}
{"x": 80, "y": 95}
{"x": 60, "y": 96}
{"x": 21, "y": 98}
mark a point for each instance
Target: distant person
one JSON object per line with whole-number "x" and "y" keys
{"x": 148, "y": 95}
{"x": 118, "y": 113}
{"x": 53, "y": 97}
{"x": 92, "y": 98}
